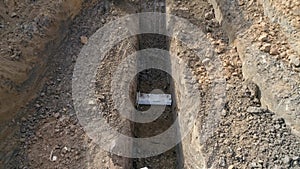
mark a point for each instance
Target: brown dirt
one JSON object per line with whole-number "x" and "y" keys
{"x": 50, "y": 127}
{"x": 28, "y": 32}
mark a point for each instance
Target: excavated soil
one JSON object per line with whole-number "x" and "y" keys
{"x": 50, "y": 136}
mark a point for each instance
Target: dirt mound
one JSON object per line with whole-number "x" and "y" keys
{"x": 30, "y": 32}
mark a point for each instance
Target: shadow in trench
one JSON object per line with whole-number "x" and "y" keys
{"x": 147, "y": 81}
{"x": 151, "y": 79}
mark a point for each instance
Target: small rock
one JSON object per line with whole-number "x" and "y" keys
{"x": 294, "y": 60}
{"x": 220, "y": 50}
{"x": 263, "y": 37}
{"x": 266, "y": 47}
{"x": 13, "y": 15}
{"x": 54, "y": 158}
{"x": 101, "y": 98}
{"x": 277, "y": 126}
{"x": 65, "y": 150}
{"x": 208, "y": 29}
{"x": 241, "y": 2}
{"x": 222, "y": 162}
{"x": 37, "y": 105}
{"x": 274, "y": 50}
{"x": 84, "y": 40}
{"x": 255, "y": 110}
{"x": 184, "y": 8}
{"x": 15, "y": 56}
{"x": 253, "y": 164}
{"x": 23, "y": 119}
{"x": 209, "y": 15}
{"x": 205, "y": 61}
{"x": 295, "y": 22}
{"x": 296, "y": 158}
{"x": 223, "y": 113}
{"x": 231, "y": 167}
{"x": 38, "y": 134}
{"x": 215, "y": 42}
{"x": 235, "y": 74}
{"x": 22, "y": 140}
{"x": 283, "y": 54}
{"x": 56, "y": 115}
{"x": 286, "y": 159}
{"x": 91, "y": 102}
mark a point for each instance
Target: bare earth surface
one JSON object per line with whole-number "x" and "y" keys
{"x": 248, "y": 135}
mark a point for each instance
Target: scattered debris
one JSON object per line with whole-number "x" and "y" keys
{"x": 205, "y": 61}
{"x": 13, "y": 15}
{"x": 274, "y": 50}
{"x": 84, "y": 40}
{"x": 266, "y": 47}
{"x": 263, "y": 37}
{"x": 52, "y": 157}
{"x": 255, "y": 110}
{"x": 294, "y": 60}
{"x": 91, "y": 102}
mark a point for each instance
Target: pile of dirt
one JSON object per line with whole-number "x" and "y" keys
{"x": 248, "y": 135}
{"x": 30, "y": 32}
{"x": 37, "y": 42}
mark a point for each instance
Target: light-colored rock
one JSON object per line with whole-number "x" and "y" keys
{"x": 209, "y": 15}
{"x": 220, "y": 50}
{"x": 278, "y": 91}
{"x": 286, "y": 159}
{"x": 274, "y": 50}
{"x": 84, "y": 40}
{"x": 54, "y": 158}
{"x": 205, "y": 61}
{"x": 285, "y": 16}
{"x": 266, "y": 47}
{"x": 13, "y": 15}
{"x": 255, "y": 110}
{"x": 294, "y": 60}
{"x": 231, "y": 167}
{"x": 91, "y": 102}
{"x": 184, "y": 8}
{"x": 263, "y": 37}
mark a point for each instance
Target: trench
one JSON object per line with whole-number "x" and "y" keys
{"x": 147, "y": 81}
{"x": 49, "y": 126}
{"x": 153, "y": 79}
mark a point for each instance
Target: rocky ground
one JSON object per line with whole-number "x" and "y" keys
{"x": 50, "y": 136}
{"x": 248, "y": 135}
{"x": 29, "y": 30}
